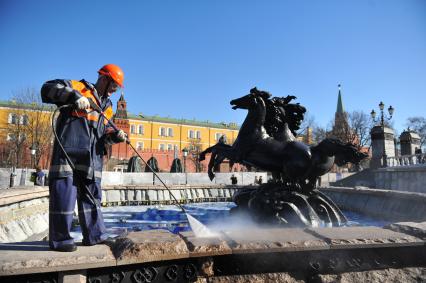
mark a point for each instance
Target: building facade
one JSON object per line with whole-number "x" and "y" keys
{"x": 152, "y": 136}
{"x": 166, "y": 138}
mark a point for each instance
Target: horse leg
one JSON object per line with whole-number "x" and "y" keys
{"x": 202, "y": 155}
{"x": 219, "y": 153}
{"x": 210, "y": 168}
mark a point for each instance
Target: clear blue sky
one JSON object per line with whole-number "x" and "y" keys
{"x": 188, "y": 59}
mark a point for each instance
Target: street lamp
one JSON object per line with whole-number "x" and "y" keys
{"x": 382, "y": 114}
{"x": 33, "y": 151}
{"x": 185, "y": 154}
{"x": 382, "y": 124}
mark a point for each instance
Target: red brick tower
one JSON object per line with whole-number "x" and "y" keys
{"x": 121, "y": 150}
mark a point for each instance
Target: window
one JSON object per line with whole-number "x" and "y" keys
{"x": 198, "y": 135}
{"x": 13, "y": 118}
{"x": 169, "y": 147}
{"x": 132, "y": 129}
{"x": 139, "y": 145}
{"x": 162, "y": 132}
{"x": 191, "y": 134}
{"x": 176, "y": 148}
{"x": 24, "y": 120}
{"x": 12, "y": 137}
{"x": 217, "y": 136}
{"x": 140, "y": 129}
{"x": 170, "y": 132}
{"x": 162, "y": 147}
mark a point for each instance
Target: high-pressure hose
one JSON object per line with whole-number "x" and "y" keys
{"x": 197, "y": 227}
{"x": 99, "y": 110}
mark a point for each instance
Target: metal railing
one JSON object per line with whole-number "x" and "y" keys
{"x": 407, "y": 160}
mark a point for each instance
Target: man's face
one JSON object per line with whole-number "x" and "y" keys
{"x": 108, "y": 86}
{"x": 112, "y": 87}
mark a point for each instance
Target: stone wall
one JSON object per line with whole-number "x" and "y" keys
{"x": 118, "y": 178}
{"x": 155, "y": 194}
{"x": 381, "y": 204}
{"x": 23, "y": 213}
{"x": 404, "y": 178}
{"x": 399, "y": 178}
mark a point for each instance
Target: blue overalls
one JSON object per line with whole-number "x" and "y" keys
{"x": 84, "y": 136}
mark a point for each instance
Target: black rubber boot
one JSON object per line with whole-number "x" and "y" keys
{"x": 65, "y": 248}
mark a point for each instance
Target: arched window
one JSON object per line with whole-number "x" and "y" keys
{"x": 13, "y": 118}
{"x": 170, "y": 132}
{"x": 132, "y": 129}
{"x": 140, "y": 129}
{"x": 191, "y": 134}
{"x": 198, "y": 135}
{"x": 162, "y": 132}
{"x": 24, "y": 120}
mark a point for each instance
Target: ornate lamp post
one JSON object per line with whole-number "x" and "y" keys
{"x": 382, "y": 119}
{"x": 382, "y": 114}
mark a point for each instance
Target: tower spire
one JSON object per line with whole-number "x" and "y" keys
{"x": 339, "y": 101}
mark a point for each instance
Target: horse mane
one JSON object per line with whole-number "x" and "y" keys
{"x": 261, "y": 93}
{"x": 279, "y": 111}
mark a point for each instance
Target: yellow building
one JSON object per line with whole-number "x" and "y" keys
{"x": 159, "y": 133}
{"x": 146, "y": 133}
{"x": 155, "y": 133}
{"x": 25, "y": 134}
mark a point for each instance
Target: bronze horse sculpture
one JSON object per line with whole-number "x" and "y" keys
{"x": 296, "y": 161}
{"x": 266, "y": 140}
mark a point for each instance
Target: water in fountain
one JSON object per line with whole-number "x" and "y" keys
{"x": 215, "y": 216}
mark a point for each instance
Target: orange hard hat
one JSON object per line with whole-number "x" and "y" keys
{"x": 114, "y": 72}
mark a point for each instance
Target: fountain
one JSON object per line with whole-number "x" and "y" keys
{"x": 160, "y": 247}
{"x": 266, "y": 140}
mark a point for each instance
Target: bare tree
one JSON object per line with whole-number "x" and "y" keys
{"x": 16, "y": 134}
{"x": 308, "y": 122}
{"x": 360, "y": 126}
{"x": 319, "y": 133}
{"x": 356, "y": 130}
{"x": 194, "y": 150}
{"x": 32, "y": 128}
{"x": 418, "y": 124}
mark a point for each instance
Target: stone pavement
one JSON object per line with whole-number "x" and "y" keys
{"x": 161, "y": 246}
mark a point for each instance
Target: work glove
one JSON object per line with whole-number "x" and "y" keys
{"x": 82, "y": 103}
{"x": 121, "y": 136}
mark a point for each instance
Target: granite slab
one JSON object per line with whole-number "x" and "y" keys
{"x": 411, "y": 228}
{"x": 272, "y": 240}
{"x": 207, "y": 246}
{"x": 35, "y": 257}
{"x": 148, "y": 246}
{"x": 363, "y": 237}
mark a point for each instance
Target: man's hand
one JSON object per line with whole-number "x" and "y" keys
{"x": 121, "y": 136}
{"x": 82, "y": 103}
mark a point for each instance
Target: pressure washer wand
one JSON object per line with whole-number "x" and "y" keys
{"x": 99, "y": 110}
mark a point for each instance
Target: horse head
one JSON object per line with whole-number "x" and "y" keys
{"x": 350, "y": 153}
{"x": 250, "y": 100}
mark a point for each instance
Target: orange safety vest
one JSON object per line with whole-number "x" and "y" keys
{"x": 91, "y": 116}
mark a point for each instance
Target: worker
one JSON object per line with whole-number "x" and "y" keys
{"x": 84, "y": 135}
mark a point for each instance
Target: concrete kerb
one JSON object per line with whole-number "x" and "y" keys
{"x": 159, "y": 245}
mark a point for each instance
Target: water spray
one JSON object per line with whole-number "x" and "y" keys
{"x": 197, "y": 227}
